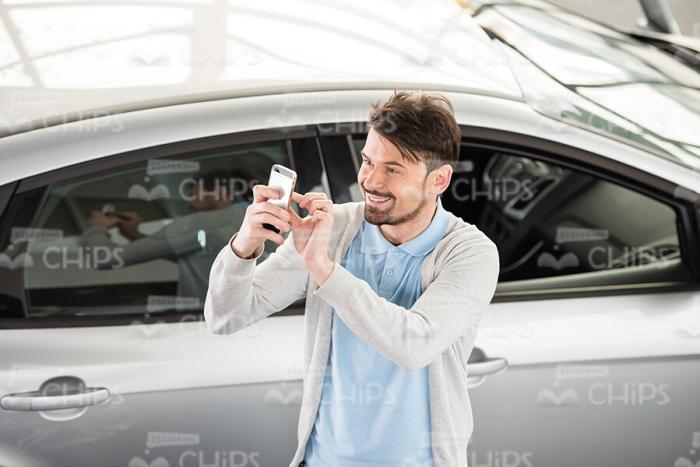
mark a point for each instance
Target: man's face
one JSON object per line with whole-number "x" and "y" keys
{"x": 394, "y": 188}
{"x": 208, "y": 200}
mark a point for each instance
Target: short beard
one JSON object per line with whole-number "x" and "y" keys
{"x": 377, "y": 217}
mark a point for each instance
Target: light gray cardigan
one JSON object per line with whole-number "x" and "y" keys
{"x": 459, "y": 277}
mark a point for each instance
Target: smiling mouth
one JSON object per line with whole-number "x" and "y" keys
{"x": 377, "y": 201}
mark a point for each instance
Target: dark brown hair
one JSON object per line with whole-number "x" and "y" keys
{"x": 421, "y": 125}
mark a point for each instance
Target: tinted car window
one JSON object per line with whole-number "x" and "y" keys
{"x": 552, "y": 221}
{"x": 138, "y": 238}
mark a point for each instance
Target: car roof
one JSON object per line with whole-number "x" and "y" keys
{"x": 45, "y": 150}
{"x": 76, "y": 60}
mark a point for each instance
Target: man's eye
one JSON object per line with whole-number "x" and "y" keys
{"x": 392, "y": 170}
{"x": 365, "y": 161}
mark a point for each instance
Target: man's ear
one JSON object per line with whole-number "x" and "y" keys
{"x": 440, "y": 178}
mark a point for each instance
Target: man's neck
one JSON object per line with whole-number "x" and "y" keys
{"x": 401, "y": 233}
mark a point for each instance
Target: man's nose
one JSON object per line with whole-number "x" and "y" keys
{"x": 374, "y": 180}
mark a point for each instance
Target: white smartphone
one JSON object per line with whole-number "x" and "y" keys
{"x": 283, "y": 179}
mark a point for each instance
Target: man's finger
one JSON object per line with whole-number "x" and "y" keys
{"x": 304, "y": 200}
{"x": 263, "y": 193}
{"x": 320, "y": 205}
{"x": 296, "y": 197}
{"x": 294, "y": 219}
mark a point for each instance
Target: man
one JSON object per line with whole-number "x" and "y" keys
{"x": 191, "y": 240}
{"x": 394, "y": 288}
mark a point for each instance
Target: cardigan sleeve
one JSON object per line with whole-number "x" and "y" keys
{"x": 241, "y": 292}
{"x": 450, "y": 307}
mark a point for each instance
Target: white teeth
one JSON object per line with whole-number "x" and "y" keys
{"x": 377, "y": 199}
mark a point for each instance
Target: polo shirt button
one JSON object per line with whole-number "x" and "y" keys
{"x": 390, "y": 272}
{"x": 396, "y": 252}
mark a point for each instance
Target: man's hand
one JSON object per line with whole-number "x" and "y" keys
{"x": 128, "y": 224}
{"x": 311, "y": 234}
{"x": 100, "y": 220}
{"x": 252, "y": 234}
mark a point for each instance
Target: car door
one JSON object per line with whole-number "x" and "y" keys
{"x": 105, "y": 358}
{"x": 589, "y": 352}
{"x": 596, "y": 311}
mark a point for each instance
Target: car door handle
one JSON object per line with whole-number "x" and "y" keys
{"x": 63, "y": 392}
{"x": 35, "y": 402}
{"x": 486, "y": 367}
{"x": 479, "y": 368}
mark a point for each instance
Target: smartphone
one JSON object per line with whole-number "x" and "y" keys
{"x": 108, "y": 209}
{"x": 285, "y": 180}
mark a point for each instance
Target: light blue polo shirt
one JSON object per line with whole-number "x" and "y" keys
{"x": 373, "y": 412}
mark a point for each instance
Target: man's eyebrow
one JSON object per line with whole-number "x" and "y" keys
{"x": 398, "y": 164}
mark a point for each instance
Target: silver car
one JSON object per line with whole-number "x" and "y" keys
{"x": 580, "y": 159}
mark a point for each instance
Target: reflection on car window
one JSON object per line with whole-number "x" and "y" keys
{"x": 552, "y": 221}
{"x": 135, "y": 239}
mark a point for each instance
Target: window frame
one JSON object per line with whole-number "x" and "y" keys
{"x": 330, "y": 156}
{"x": 604, "y": 168}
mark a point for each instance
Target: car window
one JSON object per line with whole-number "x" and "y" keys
{"x": 549, "y": 221}
{"x": 136, "y": 238}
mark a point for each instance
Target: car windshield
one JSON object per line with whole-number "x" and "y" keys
{"x": 574, "y": 69}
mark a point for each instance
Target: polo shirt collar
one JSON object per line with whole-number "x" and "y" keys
{"x": 374, "y": 242}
